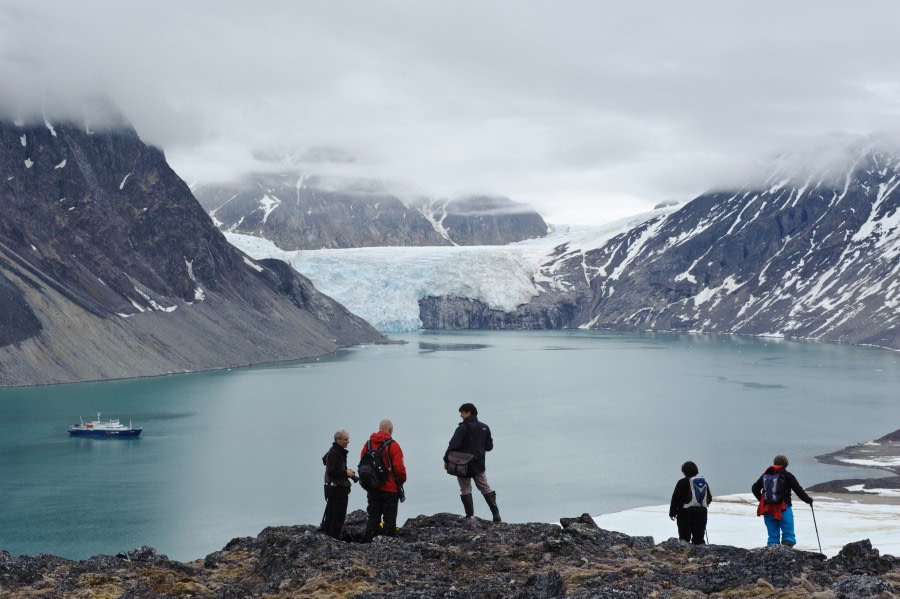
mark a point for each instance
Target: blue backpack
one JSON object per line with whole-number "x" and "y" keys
{"x": 773, "y": 488}
{"x": 699, "y": 497}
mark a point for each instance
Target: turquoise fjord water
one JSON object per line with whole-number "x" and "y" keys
{"x": 582, "y": 422}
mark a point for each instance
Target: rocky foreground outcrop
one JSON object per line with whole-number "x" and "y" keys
{"x": 448, "y": 556}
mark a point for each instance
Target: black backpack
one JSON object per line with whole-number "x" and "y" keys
{"x": 773, "y": 488}
{"x": 372, "y": 470}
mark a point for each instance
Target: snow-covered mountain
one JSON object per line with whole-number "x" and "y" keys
{"x": 811, "y": 252}
{"x": 297, "y": 211}
{"x": 109, "y": 268}
{"x": 805, "y": 255}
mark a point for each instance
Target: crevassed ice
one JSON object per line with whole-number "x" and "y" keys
{"x": 383, "y": 285}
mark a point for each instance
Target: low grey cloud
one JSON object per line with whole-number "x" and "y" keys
{"x": 589, "y": 111}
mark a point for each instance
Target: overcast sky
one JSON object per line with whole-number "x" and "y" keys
{"x": 587, "y": 110}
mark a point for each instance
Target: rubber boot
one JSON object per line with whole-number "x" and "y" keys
{"x": 491, "y": 499}
{"x": 468, "y": 505}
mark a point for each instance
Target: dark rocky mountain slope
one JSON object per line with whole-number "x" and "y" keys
{"x": 808, "y": 255}
{"x": 300, "y": 213}
{"x": 449, "y": 556}
{"x": 110, "y": 268}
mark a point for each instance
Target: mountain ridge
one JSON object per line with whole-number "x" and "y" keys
{"x": 819, "y": 260}
{"x": 109, "y": 268}
{"x": 300, "y": 212}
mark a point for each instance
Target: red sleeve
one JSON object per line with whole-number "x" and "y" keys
{"x": 397, "y": 463}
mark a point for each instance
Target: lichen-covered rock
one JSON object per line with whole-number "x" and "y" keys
{"x": 855, "y": 587}
{"x": 723, "y": 567}
{"x": 861, "y": 558}
{"x": 446, "y": 555}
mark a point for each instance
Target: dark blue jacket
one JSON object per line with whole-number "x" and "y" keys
{"x": 473, "y": 437}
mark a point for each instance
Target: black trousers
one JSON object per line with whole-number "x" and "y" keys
{"x": 691, "y": 525}
{"x": 382, "y": 505}
{"x": 336, "y": 499}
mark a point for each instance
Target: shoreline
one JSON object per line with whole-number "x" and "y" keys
{"x": 861, "y": 498}
{"x": 882, "y": 454}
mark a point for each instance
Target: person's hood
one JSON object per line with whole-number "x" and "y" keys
{"x": 378, "y": 439}
{"x": 774, "y": 469}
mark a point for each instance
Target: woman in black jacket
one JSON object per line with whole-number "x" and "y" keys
{"x": 689, "y": 501}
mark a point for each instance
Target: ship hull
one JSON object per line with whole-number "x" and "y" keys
{"x": 95, "y": 433}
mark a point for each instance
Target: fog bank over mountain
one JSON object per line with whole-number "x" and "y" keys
{"x": 588, "y": 115}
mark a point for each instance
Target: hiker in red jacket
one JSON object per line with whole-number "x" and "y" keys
{"x": 773, "y": 490}
{"x": 384, "y": 501}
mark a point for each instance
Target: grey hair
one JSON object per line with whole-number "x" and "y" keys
{"x": 341, "y": 434}
{"x": 386, "y": 426}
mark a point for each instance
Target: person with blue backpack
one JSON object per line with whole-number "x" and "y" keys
{"x": 773, "y": 491}
{"x": 689, "y": 501}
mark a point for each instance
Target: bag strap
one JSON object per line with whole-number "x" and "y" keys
{"x": 470, "y": 445}
{"x": 389, "y": 465}
{"x": 380, "y": 450}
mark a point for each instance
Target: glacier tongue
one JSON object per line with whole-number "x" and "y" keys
{"x": 383, "y": 285}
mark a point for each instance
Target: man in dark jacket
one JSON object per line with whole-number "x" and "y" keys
{"x": 779, "y": 517}
{"x": 384, "y": 501}
{"x": 472, "y": 436}
{"x": 337, "y": 484}
{"x": 687, "y": 509}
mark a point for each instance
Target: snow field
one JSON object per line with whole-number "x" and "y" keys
{"x": 733, "y": 521}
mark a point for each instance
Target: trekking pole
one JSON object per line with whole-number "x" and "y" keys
{"x": 817, "y": 527}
